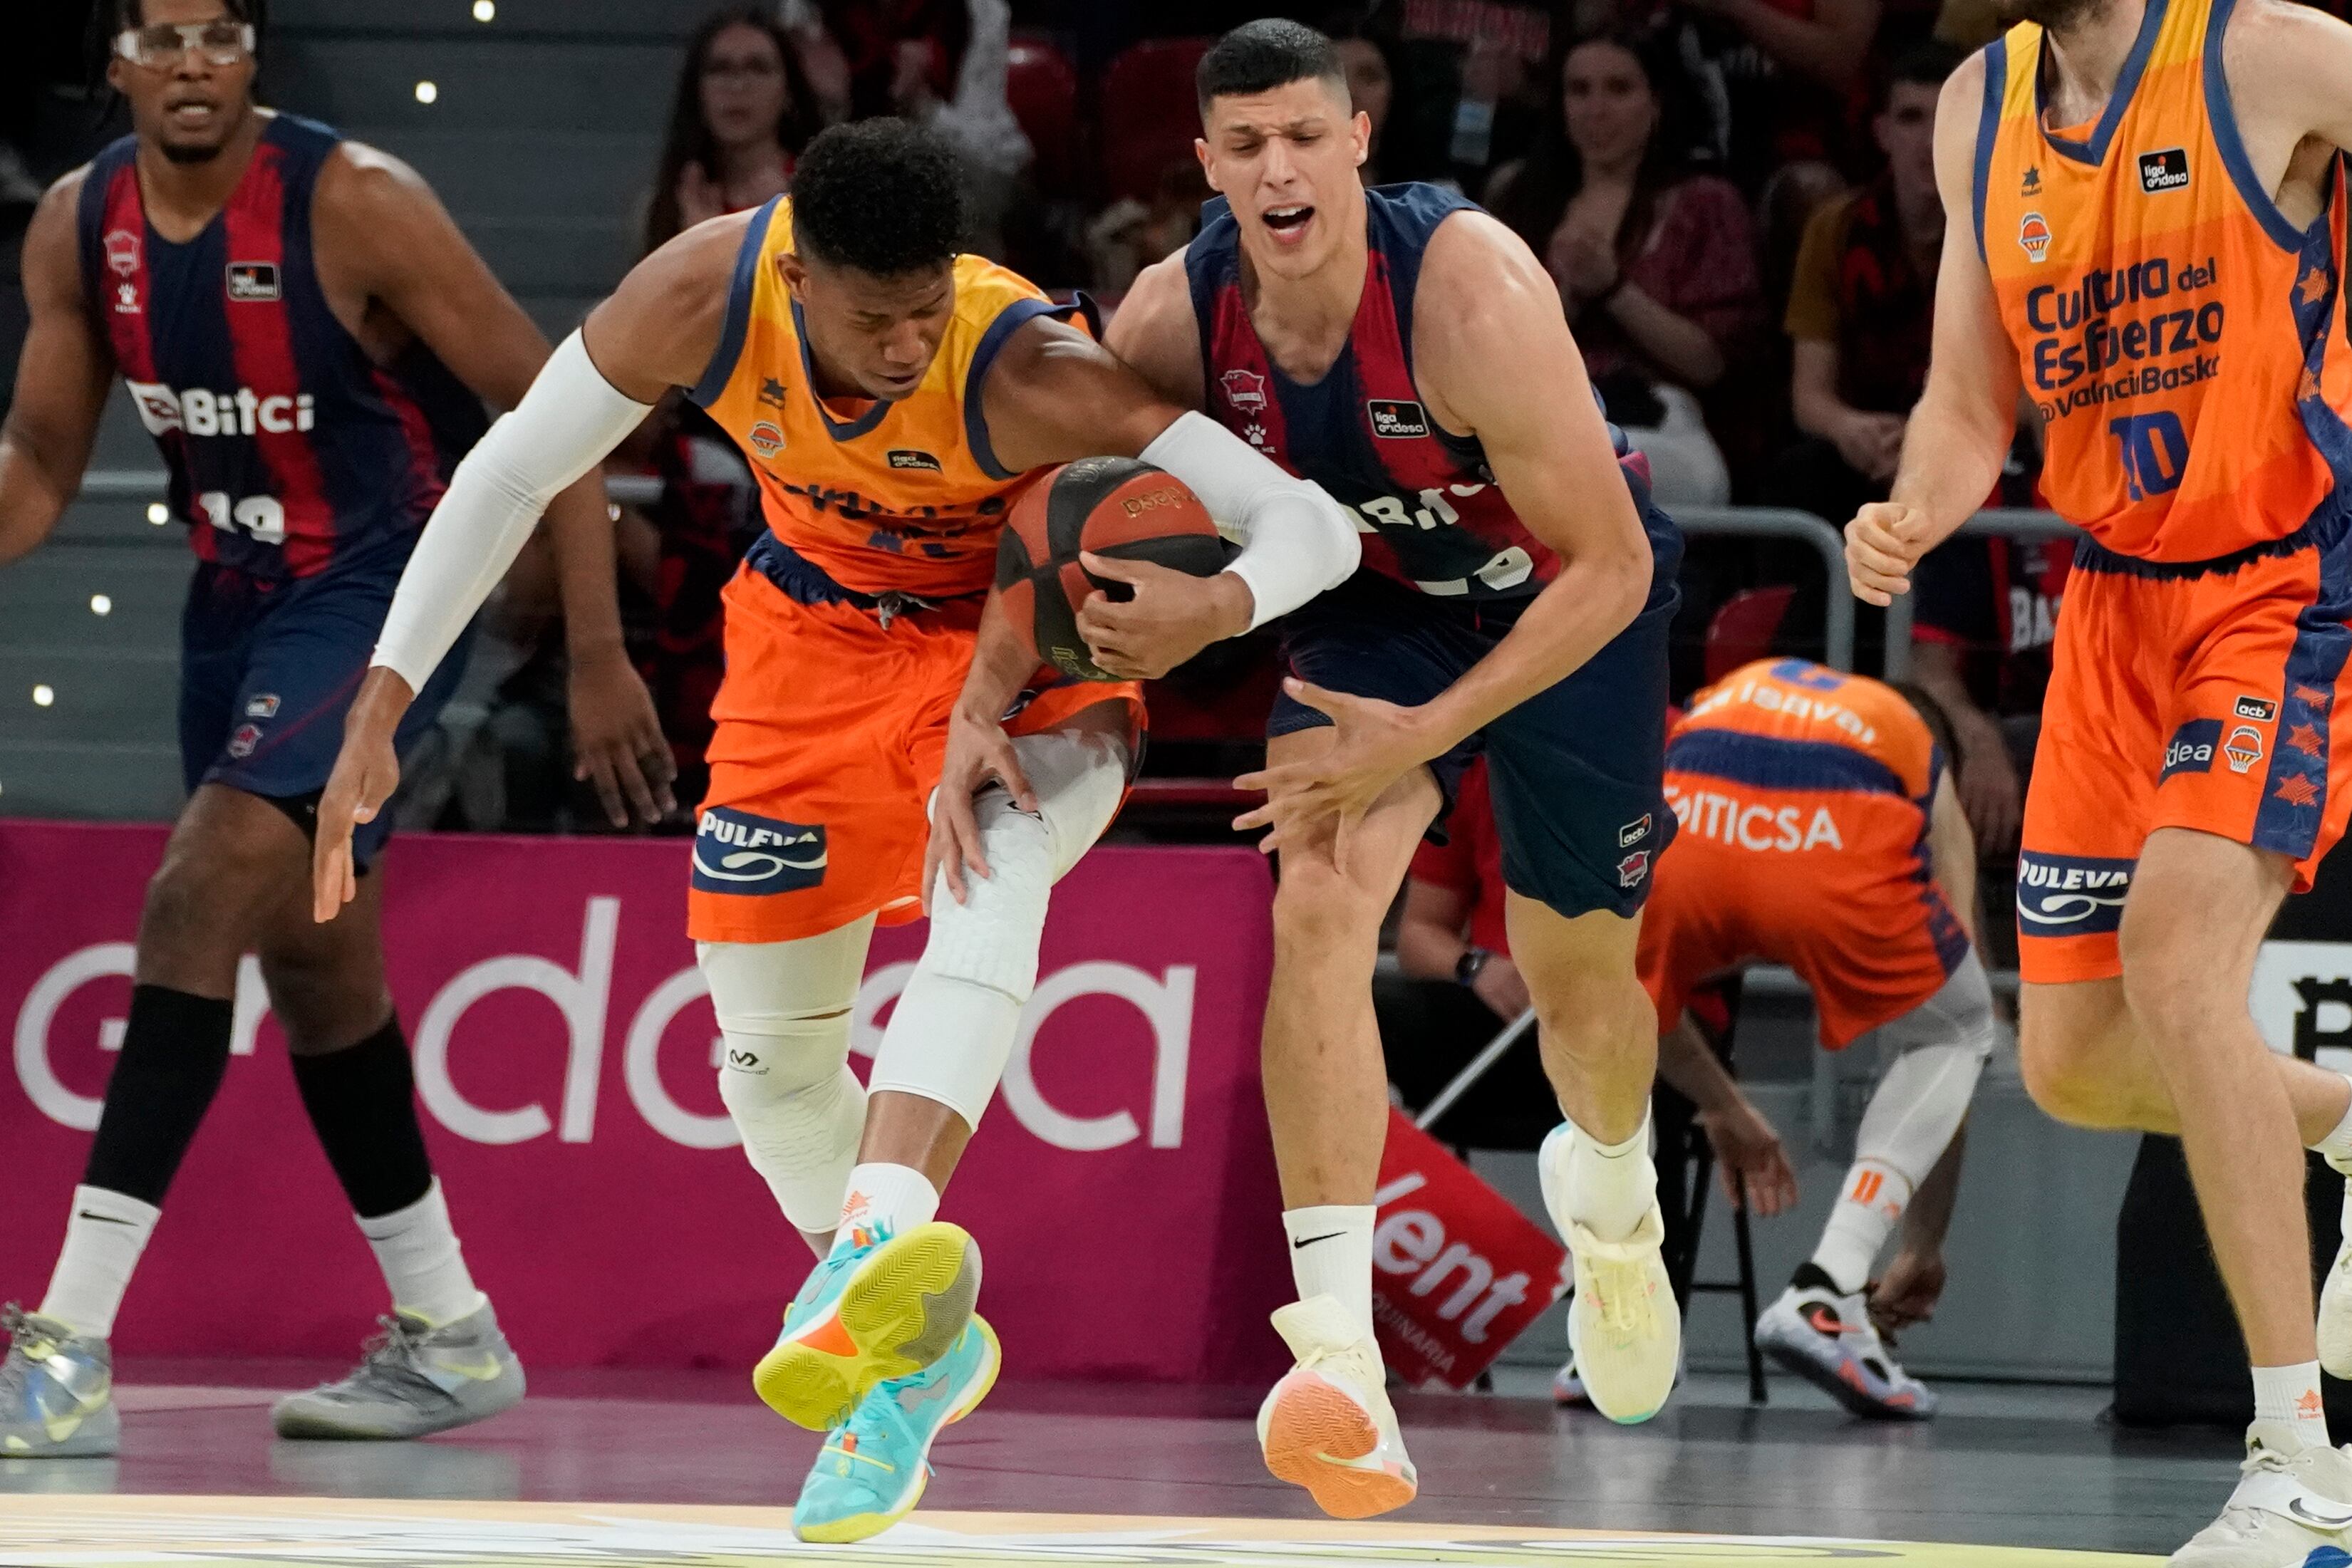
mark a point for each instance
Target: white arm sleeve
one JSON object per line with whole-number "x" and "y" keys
{"x": 1296, "y": 541}
{"x": 568, "y": 421}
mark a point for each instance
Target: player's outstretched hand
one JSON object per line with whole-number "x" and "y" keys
{"x": 1173, "y": 616}
{"x": 617, "y": 740}
{"x": 1377, "y": 743}
{"x": 978, "y": 753}
{"x": 1882, "y": 543}
{"x": 1748, "y": 1153}
{"x": 367, "y": 770}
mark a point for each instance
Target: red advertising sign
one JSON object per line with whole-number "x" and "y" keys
{"x": 1457, "y": 1270}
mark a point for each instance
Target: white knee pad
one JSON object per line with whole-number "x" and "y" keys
{"x": 784, "y": 1010}
{"x": 1923, "y": 1098}
{"x": 952, "y": 1029}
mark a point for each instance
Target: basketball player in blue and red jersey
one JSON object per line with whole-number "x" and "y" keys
{"x": 1407, "y": 352}
{"x": 2156, "y": 256}
{"x": 309, "y": 340}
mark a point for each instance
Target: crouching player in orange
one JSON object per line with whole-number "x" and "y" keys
{"x": 1820, "y": 830}
{"x": 894, "y": 398}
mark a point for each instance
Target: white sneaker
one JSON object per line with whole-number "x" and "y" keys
{"x": 2335, "y": 1296}
{"x": 1328, "y": 1425}
{"x": 1829, "y": 1341}
{"x": 1623, "y": 1333}
{"x": 2289, "y": 1503}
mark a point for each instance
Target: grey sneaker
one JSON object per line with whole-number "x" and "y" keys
{"x": 57, "y": 1391}
{"x": 2291, "y": 1502}
{"x": 413, "y": 1380}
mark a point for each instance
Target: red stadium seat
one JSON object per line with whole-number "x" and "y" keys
{"x": 1043, "y": 89}
{"x": 1148, "y": 114}
{"x": 1743, "y": 629}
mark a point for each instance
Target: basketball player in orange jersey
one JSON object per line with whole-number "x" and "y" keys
{"x": 1820, "y": 830}
{"x": 895, "y": 399}
{"x": 2156, "y": 254}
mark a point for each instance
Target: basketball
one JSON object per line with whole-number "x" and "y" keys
{"x": 1118, "y": 506}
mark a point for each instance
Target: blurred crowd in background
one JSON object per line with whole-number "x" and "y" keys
{"x": 1737, "y": 199}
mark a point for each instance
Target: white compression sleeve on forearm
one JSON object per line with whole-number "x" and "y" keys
{"x": 567, "y": 421}
{"x": 1296, "y": 541}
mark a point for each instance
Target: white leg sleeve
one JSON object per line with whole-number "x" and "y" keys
{"x": 783, "y": 1011}
{"x": 952, "y": 1031}
{"x": 1920, "y": 1103}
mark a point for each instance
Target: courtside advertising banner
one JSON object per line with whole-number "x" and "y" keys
{"x": 1457, "y": 1270}
{"x": 1122, "y": 1187}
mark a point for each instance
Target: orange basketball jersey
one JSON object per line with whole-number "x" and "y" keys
{"x": 903, "y": 496}
{"x": 1803, "y": 796}
{"x": 2171, "y": 323}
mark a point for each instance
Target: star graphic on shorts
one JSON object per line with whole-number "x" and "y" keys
{"x": 2304, "y": 738}
{"x": 2313, "y": 696}
{"x": 2309, "y": 387}
{"x": 2314, "y": 286}
{"x": 2296, "y": 790}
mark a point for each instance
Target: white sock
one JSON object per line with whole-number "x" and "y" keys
{"x": 2290, "y": 1394}
{"x": 1873, "y": 1200}
{"x": 1331, "y": 1255}
{"x": 899, "y": 1197}
{"x": 1610, "y": 1187}
{"x": 104, "y": 1236}
{"x": 2338, "y": 1146}
{"x": 423, "y": 1265}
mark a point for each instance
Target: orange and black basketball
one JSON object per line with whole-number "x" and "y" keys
{"x": 1116, "y": 506}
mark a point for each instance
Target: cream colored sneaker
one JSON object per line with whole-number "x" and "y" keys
{"x": 1328, "y": 1425}
{"x": 1623, "y": 1329}
{"x": 2289, "y": 1503}
{"x": 2335, "y": 1296}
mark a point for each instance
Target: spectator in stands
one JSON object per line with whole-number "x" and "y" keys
{"x": 1469, "y": 84}
{"x": 1863, "y": 301}
{"x": 976, "y": 117}
{"x": 1655, "y": 262}
{"x": 742, "y": 113}
{"x": 1371, "y": 87}
{"x": 1780, "y": 77}
{"x": 821, "y": 57}
{"x": 1128, "y": 236}
{"x": 877, "y": 37}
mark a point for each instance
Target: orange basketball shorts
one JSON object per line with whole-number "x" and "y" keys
{"x": 2200, "y": 696}
{"x": 830, "y": 730}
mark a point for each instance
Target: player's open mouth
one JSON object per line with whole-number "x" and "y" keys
{"x": 1289, "y": 224}
{"x": 193, "y": 112}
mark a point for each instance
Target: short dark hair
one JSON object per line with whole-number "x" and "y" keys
{"x": 882, "y": 196}
{"x": 133, "y": 14}
{"x": 1260, "y": 56}
{"x": 1928, "y": 63}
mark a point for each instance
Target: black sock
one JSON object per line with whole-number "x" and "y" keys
{"x": 362, "y": 1102}
{"x": 174, "y": 1053}
{"x": 1812, "y": 1276}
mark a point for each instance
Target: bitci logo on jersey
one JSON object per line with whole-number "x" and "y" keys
{"x": 1245, "y": 390}
{"x": 2033, "y": 234}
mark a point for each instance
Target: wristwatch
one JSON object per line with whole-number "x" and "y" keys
{"x": 1466, "y": 968}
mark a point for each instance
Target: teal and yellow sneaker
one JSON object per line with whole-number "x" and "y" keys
{"x": 875, "y": 1465}
{"x": 880, "y": 1306}
{"x": 57, "y": 1391}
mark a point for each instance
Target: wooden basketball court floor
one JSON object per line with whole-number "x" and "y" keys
{"x": 685, "y": 1469}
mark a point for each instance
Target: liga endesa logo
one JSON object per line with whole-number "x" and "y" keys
{"x": 582, "y": 996}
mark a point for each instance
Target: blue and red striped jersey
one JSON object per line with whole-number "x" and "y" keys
{"x": 290, "y": 448}
{"x": 1424, "y": 498}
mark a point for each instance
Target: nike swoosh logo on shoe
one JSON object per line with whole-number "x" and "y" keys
{"x": 481, "y": 1371}
{"x": 2325, "y": 1522}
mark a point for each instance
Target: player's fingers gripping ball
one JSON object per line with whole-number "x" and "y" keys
{"x": 1120, "y": 507}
